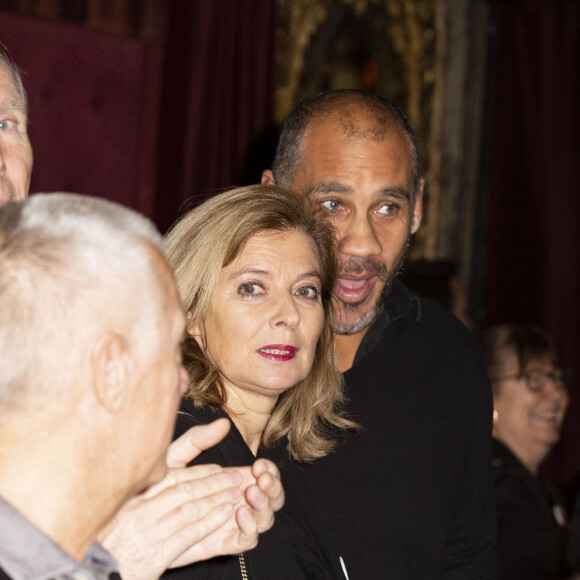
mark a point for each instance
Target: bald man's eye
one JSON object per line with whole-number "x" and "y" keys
{"x": 389, "y": 208}
{"x": 331, "y": 204}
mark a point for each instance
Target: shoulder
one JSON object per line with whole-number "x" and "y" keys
{"x": 515, "y": 488}
{"x": 189, "y": 415}
{"x": 405, "y": 308}
{"x": 429, "y": 335}
{"x": 429, "y": 352}
{"x": 505, "y": 466}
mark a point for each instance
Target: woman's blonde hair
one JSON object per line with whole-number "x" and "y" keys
{"x": 209, "y": 238}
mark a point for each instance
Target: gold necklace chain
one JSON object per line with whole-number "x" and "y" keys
{"x": 243, "y": 567}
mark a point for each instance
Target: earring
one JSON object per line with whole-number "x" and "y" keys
{"x": 495, "y": 416}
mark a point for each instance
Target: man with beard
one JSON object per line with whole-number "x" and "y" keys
{"x": 410, "y": 495}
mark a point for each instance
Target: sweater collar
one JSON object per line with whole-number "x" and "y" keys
{"x": 398, "y": 303}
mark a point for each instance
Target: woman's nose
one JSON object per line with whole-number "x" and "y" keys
{"x": 286, "y": 312}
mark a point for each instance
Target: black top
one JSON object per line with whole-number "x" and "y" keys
{"x": 530, "y": 521}
{"x": 288, "y": 550}
{"x": 410, "y": 496}
{"x": 574, "y": 540}
{"x": 4, "y": 576}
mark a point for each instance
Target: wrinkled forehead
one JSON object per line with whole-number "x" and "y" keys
{"x": 344, "y": 141}
{"x": 352, "y": 126}
{"x": 11, "y": 91}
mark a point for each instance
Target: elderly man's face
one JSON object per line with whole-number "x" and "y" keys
{"x": 15, "y": 149}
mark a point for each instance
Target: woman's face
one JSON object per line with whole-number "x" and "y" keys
{"x": 530, "y": 409}
{"x": 266, "y": 317}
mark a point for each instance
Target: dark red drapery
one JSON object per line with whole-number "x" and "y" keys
{"x": 218, "y": 94}
{"x": 534, "y": 214}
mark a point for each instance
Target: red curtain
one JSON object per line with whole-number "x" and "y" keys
{"x": 89, "y": 94}
{"x": 217, "y": 97}
{"x": 534, "y": 213}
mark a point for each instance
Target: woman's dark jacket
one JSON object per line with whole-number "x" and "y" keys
{"x": 288, "y": 550}
{"x": 530, "y": 521}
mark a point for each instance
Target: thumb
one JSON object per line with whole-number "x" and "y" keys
{"x": 195, "y": 440}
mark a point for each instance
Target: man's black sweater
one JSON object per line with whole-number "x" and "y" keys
{"x": 410, "y": 495}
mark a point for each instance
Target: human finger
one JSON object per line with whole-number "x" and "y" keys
{"x": 195, "y": 440}
{"x": 261, "y": 506}
{"x": 272, "y": 486}
{"x": 265, "y": 466}
{"x": 183, "y": 474}
{"x": 248, "y": 526}
{"x": 146, "y": 553}
{"x": 186, "y": 492}
{"x": 227, "y": 539}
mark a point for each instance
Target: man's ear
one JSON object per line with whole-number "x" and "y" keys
{"x": 268, "y": 177}
{"x": 418, "y": 210}
{"x": 109, "y": 363}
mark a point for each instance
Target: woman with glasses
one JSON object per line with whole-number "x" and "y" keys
{"x": 530, "y": 401}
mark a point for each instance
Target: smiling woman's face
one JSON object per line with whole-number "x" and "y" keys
{"x": 529, "y": 415}
{"x": 263, "y": 326}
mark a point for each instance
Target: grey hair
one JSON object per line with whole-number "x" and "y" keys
{"x": 344, "y": 104}
{"x": 16, "y": 75}
{"x": 69, "y": 266}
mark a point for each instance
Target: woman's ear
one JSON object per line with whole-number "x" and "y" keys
{"x": 194, "y": 329}
{"x": 110, "y": 370}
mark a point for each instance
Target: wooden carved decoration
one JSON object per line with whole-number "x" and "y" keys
{"x": 401, "y": 49}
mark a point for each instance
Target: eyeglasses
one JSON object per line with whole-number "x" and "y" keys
{"x": 536, "y": 379}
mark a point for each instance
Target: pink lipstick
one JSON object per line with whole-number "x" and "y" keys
{"x": 278, "y": 352}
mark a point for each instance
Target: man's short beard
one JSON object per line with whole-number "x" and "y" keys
{"x": 354, "y": 327}
{"x": 343, "y": 327}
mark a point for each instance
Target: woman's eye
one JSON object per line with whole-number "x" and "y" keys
{"x": 249, "y": 289}
{"x": 310, "y": 292}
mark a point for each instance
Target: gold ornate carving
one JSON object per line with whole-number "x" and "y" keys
{"x": 418, "y": 50}
{"x": 406, "y": 41}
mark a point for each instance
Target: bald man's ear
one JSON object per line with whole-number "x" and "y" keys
{"x": 110, "y": 368}
{"x": 268, "y": 177}
{"x": 418, "y": 210}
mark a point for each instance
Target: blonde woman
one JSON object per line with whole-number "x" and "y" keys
{"x": 255, "y": 270}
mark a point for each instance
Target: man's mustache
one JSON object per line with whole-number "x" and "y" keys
{"x": 364, "y": 266}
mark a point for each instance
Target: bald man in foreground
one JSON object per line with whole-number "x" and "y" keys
{"x": 193, "y": 513}
{"x": 90, "y": 381}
